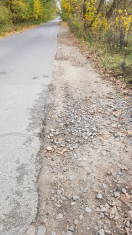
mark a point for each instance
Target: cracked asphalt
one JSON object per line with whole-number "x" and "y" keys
{"x": 26, "y": 71}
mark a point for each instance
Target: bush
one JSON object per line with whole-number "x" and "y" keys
{"x": 5, "y": 18}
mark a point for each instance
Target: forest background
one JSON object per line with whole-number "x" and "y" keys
{"x": 105, "y": 26}
{"x": 16, "y": 14}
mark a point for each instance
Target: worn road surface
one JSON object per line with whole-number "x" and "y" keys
{"x": 26, "y": 71}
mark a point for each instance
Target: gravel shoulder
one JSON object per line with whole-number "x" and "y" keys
{"x": 85, "y": 184}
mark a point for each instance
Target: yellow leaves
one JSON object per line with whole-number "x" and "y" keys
{"x": 38, "y": 10}
{"x": 120, "y": 12}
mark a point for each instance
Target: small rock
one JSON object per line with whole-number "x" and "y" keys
{"x": 104, "y": 186}
{"x": 84, "y": 190}
{"x": 53, "y": 233}
{"x": 130, "y": 215}
{"x": 103, "y": 153}
{"x": 63, "y": 197}
{"x": 80, "y": 217}
{"x": 123, "y": 190}
{"x": 120, "y": 173}
{"x": 59, "y": 192}
{"x": 101, "y": 232}
{"x": 88, "y": 210}
{"x": 99, "y": 224}
{"x": 76, "y": 198}
{"x": 116, "y": 135}
{"x": 107, "y": 232}
{"x": 99, "y": 196}
{"x": 70, "y": 178}
{"x": 68, "y": 233}
{"x": 116, "y": 194}
{"x": 75, "y": 222}
{"x": 71, "y": 229}
{"x": 59, "y": 216}
{"x": 128, "y": 223}
{"x": 57, "y": 133}
{"x": 41, "y": 230}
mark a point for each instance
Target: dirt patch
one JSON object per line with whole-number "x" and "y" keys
{"x": 85, "y": 184}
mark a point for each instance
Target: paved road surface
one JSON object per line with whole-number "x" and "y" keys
{"x": 26, "y": 70}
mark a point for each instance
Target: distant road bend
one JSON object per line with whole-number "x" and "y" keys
{"x": 26, "y": 70}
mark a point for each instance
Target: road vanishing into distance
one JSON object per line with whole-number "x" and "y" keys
{"x": 26, "y": 70}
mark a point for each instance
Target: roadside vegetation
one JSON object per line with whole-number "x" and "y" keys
{"x": 16, "y": 14}
{"x": 105, "y": 26}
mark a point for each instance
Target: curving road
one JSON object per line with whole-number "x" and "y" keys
{"x": 26, "y": 70}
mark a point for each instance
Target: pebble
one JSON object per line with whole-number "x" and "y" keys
{"x": 128, "y": 223}
{"x": 59, "y": 216}
{"x": 84, "y": 190}
{"x": 76, "y": 198}
{"x": 101, "y": 232}
{"x": 84, "y": 159}
{"x": 88, "y": 210}
{"x": 120, "y": 173}
{"x": 80, "y": 217}
{"x": 99, "y": 224}
{"x": 75, "y": 222}
{"x": 116, "y": 194}
{"x": 116, "y": 135}
{"x": 104, "y": 186}
{"x": 68, "y": 233}
{"x": 59, "y": 192}
{"x": 70, "y": 178}
{"x": 53, "y": 233}
{"x": 103, "y": 153}
{"x": 107, "y": 232}
{"x": 124, "y": 190}
{"x": 41, "y": 230}
{"x": 71, "y": 229}
{"x": 99, "y": 196}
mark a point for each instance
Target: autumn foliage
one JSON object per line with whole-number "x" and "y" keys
{"x": 18, "y": 11}
{"x": 102, "y": 20}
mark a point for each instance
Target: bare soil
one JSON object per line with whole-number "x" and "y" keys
{"x": 85, "y": 184}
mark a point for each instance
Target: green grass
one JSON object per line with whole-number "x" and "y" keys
{"x": 119, "y": 62}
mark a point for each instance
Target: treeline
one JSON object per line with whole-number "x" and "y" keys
{"x": 111, "y": 19}
{"x": 107, "y": 24}
{"x": 13, "y": 12}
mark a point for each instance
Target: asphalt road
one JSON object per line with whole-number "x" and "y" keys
{"x": 26, "y": 70}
